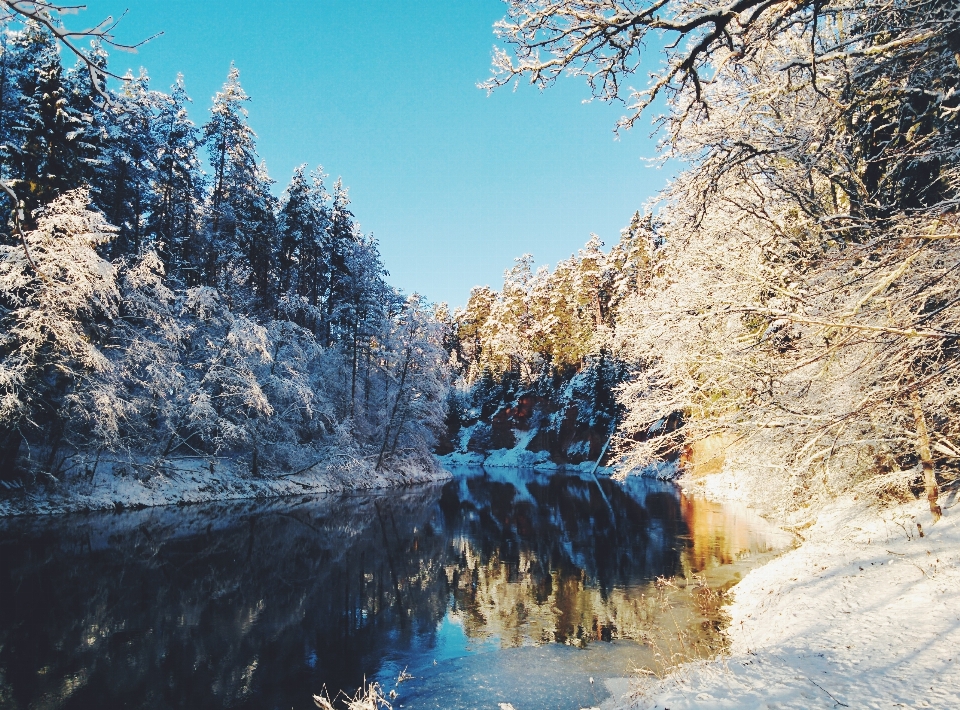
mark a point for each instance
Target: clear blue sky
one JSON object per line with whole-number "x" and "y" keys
{"x": 453, "y": 183}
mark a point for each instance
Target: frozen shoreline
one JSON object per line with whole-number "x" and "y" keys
{"x": 860, "y": 614}
{"x": 194, "y": 481}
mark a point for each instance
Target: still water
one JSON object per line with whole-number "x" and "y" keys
{"x": 497, "y": 586}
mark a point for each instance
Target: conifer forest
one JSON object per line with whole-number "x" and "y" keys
{"x": 777, "y": 328}
{"x": 152, "y": 309}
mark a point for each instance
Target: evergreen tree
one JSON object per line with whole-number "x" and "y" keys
{"x": 95, "y": 128}
{"x": 9, "y": 99}
{"x": 124, "y": 172}
{"x": 630, "y": 264}
{"x": 41, "y": 153}
{"x": 236, "y": 174}
{"x": 176, "y": 197}
{"x": 589, "y": 287}
{"x": 369, "y": 302}
{"x": 469, "y": 322}
{"x": 303, "y": 258}
{"x": 342, "y": 237}
{"x": 257, "y": 236}
{"x": 297, "y": 223}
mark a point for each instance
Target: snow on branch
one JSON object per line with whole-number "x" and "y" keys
{"x": 50, "y": 15}
{"x": 610, "y": 41}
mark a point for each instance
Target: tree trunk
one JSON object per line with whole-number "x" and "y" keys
{"x": 10, "y": 440}
{"x": 926, "y": 459}
{"x": 396, "y": 435}
{"x": 393, "y": 414}
{"x": 368, "y": 355}
{"x": 353, "y": 373}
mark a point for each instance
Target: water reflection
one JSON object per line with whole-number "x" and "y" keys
{"x": 549, "y": 561}
{"x": 468, "y": 585}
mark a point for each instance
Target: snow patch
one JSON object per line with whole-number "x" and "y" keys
{"x": 198, "y": 479}
{"x": 462, "y": 458}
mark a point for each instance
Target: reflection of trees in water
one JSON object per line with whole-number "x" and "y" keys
{"x": 258, "y": 604}
{"x": 554, "y": 562}
{"x": 719, "y": 534}
{"x": 257, "y": 609}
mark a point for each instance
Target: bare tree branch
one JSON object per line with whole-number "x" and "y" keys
{"x": 48, "y": 15}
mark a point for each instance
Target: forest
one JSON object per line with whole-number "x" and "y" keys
{"x": 778, "y": 329}
{"x": 791, "y": 290}
{"x": 153, "y": 310}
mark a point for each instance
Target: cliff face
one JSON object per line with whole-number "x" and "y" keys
{"x": 557, "y": 420}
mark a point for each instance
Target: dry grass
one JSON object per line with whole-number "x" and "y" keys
{"x": 368, "y": 697}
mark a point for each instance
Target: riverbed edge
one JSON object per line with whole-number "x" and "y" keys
{"x": 200, "y": 480}
{"x": 857, "y": 615}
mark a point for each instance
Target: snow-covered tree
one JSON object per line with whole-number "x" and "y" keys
{"x": 238, "y": 201}
{"x": 58, "y": 301}
{"x": 415, "y": 384}
{"x": 176, "y": 198}
{"x": 302, "y": 225}
{"x": 123, "y": 179}
{"x": 40, "y": 155}
{"x": 209, "y": 319}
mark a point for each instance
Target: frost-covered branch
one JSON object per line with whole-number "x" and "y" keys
{"x": 50, "y": 15}
{"x": 610, "y": 41}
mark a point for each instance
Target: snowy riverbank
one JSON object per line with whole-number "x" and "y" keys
{"x": 196, "y": 480}
{"x": 861, "y": 614}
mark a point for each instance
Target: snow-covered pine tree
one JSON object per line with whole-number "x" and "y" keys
{"x": 568, "y": 334}
{"x": 121, "y": 179}
{"x": 469, "y": 320}
{"x": 176, "y": 196}
{"x": 589, "y": 284}
{"x": 235, "y": 181}
{"x": 301, "y": 225}
{"x": 342, "y": 238}
{"x": 629, "y": 266}
{"x": 256, "y": 235}
{"x": 367, "y": 305}
{"x": 9, "y": 99}
{"x": 41, "y": 157}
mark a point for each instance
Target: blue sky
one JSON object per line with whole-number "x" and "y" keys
{"x": 453, "y": 183}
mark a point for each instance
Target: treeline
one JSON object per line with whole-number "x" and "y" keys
{"x": 804, "y": 316}
{"x": 551, "y": 321}
{"x": 151, "y": 309}
{"x": 540, "y": 354}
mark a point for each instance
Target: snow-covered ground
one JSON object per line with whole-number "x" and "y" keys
{"x": 862, "y": 614}
{"x": 197, "y": 480}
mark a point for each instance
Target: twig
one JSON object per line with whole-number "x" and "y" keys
{"x": 302, "y": 470}
{"x": 827, "y": 692}
{"x": 17, "y": 215}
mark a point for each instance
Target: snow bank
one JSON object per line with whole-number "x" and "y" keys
{"x": 520, "y": 456}
{"x": 198, "y": 480}
{"x": 862, "y": 614}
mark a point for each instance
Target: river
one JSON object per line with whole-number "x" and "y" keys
{"x": 497, "y": 586}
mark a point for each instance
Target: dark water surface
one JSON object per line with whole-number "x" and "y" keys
{"x": 500, "y": 586}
